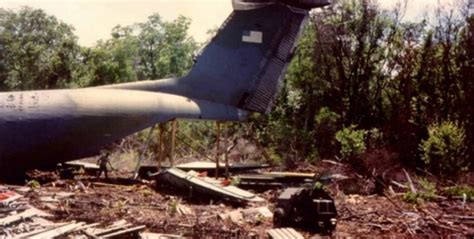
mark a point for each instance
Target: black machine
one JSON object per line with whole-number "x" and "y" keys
{"x": 309, "y": 208}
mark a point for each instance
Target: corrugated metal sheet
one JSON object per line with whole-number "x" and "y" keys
{"x": 284, "y": 233}
{"x": 206, "y": 186}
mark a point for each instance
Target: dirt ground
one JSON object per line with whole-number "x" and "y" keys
{"x": 361, "y": 212}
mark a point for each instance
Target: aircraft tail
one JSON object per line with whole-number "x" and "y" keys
{"x": 245, "y": 62}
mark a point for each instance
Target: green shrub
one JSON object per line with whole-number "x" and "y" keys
{"x": 445, "y": 151}
{"x": 427, "y": 192}
{"x": 428, "y": 188}
{"x": 460, "y": 191}
{"x": 352, "y": 141}
{"x": 411, "y": 197}
{"x": 34, "y": 184}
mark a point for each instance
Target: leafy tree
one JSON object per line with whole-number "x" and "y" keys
{"x": 113, "y": 61}
{"x": 37, "y": 50}
{"x": 164, "y": 48}
{"x": 152, "y": 50}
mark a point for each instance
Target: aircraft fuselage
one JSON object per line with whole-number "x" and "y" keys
{"x": 41, "y": 128}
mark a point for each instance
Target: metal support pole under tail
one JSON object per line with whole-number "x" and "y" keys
{"x": 226, "y": 149}
{"x": 174, "y": 130}
{"x": 161, "y": 146}
{"x": 218, "y": 142}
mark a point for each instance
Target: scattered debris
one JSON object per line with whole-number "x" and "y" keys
{"x": 210, "y": 167}
{"x": 42, "y": 176}
{"x": 250, "y": 215}
{"x": 410, "y": 182}
{"x": 148, "y": 235}
{"x": 284, "y": 233}
{"x": 22, "y": 220}
{"x": 184, "y": 210}
{"x": 196, "y": 185}
{"x": 87, "y": 207}
{"x": 8, "y": 197}
{"x": 258, "y": 181}
{"x": 202, "y": 167}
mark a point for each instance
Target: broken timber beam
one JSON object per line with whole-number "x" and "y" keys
{"x": 123, "y": 232}
{"x": 55, "y": 232}
{"x": 23, "y": 215}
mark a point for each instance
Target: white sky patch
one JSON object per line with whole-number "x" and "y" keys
{"x": 94, "y": 19}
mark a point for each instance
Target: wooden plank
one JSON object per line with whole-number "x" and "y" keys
{"x": 211, "y": 166}
{"x": 32, "y": 233}
{"x": 100, "y": 232}
{"x": 55, "y": 232}
{"x": 149, "y": 235}
{"x": 292, "y": 175}
{"x": 87, "y": 226}
{"x": 31, "y": 212}
{"x": 41, "y": 230}
{"x": 123, "y": 232}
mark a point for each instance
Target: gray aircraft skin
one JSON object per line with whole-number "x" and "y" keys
{"x": 239, "y": 71}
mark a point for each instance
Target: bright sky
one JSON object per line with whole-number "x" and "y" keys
{"x": 94, "y": 19}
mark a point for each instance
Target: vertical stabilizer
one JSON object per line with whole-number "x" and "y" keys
{"x": 245, "y": 62}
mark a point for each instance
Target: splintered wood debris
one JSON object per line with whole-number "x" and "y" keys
{"x": 19, "y": 219}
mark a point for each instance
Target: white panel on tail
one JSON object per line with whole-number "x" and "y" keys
{"x": 252, "y": 37}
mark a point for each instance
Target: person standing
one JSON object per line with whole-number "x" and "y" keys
{"x": 102, "y": 162}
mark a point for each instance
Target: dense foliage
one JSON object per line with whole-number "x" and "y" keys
{"x": 363, "y": 67}
{"x": 36, "y": 51}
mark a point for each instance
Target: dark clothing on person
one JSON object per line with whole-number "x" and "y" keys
{"x": 102, "y": 162}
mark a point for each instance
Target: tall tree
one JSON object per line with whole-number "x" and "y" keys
{"x": 37, "y": 50}
{"x": 113, "y": 61}
{"x": 165, "y": 48}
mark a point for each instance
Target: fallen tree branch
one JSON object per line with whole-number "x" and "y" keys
{"x": 410, "y": 182}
